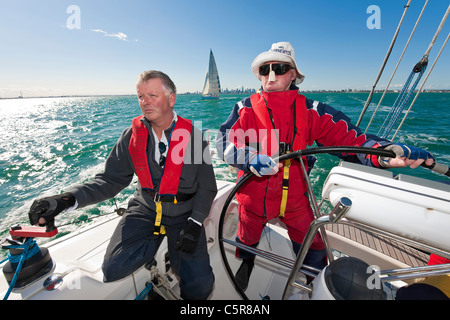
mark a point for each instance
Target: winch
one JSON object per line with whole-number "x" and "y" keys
{"x": 27, "y": 261}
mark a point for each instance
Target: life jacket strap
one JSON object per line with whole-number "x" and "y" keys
{"x": 158, "y": 228}
{"x": 169, "y": 197}
{"x": 285, "y": 148}
{"x": 284, "y": 195}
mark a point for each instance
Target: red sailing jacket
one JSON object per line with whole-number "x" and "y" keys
{"x": 262, "y": 196}
{"x": 178, "y": 142}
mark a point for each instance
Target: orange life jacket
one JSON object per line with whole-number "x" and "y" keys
{"x": 264, "y": 122}
{"x": 264, "y": 195}
{"x": 178, "y": 141}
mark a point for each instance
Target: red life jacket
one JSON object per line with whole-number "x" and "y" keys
{"x": 262, "y": 196}
{"x": 264, "y": 122}
{"x": 178, "y": 142}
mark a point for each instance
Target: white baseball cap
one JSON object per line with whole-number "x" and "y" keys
{"x": 280, "y": 51}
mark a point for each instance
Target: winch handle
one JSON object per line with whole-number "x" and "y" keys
{"x": 33, "y": 232}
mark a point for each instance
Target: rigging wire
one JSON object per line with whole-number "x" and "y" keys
{"x": 444, "y": 18}
{"x": 403, "y": 98}
{"x": 386, "y": 58}
{"x": 396, "y": 67}
{"x": 421, "y": 87}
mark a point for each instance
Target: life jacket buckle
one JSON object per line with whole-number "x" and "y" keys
{"x": 285, "y": 148}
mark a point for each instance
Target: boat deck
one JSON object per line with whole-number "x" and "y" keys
{"x": 392, "y": 248}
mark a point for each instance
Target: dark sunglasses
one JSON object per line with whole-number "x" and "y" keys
{"x": 162, "y": 148}
{"x": 278, "y": 68}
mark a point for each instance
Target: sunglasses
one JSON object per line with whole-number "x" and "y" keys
{"x": 162, "y": 148}
{"x": 278, "y": 68}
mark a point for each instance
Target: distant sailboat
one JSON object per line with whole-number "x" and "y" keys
{"x": 211, "y": 88}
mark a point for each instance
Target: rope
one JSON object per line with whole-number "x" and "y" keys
{"x": 144, "y": 292}
{"x": 421, "y": 87}
{"x": 433, "y": 41}
{"x": 406, "y": 93}
{"x": 400, "y": 103}
{"x": 16, "y": 258}
{"x": 21, "y": 259}
{"x": 30, "y": 248}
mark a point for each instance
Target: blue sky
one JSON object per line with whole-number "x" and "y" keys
{"x": 116, "y": 40}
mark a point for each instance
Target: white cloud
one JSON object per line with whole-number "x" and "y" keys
{"x": 119, "y": 35}
{"x": 98, "y": 30}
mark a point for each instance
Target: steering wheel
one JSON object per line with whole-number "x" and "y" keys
{"x": 250, "y": 175}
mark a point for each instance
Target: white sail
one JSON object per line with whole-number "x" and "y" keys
{"x": 211, "y": 88}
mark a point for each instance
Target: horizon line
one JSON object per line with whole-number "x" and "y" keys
{"x": 228, "y": 93}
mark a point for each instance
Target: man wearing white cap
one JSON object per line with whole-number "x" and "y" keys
{"x": 272, "y": 122}
{"x": 281, "y": 52}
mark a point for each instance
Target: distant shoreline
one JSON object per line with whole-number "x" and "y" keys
{"x": 190, "y": 93}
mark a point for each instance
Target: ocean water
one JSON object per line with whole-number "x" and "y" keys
{"x": 49, "y": 144}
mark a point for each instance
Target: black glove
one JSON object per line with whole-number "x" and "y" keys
{"x": 48, "y": 208}
{"x": 187, "y": 241}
